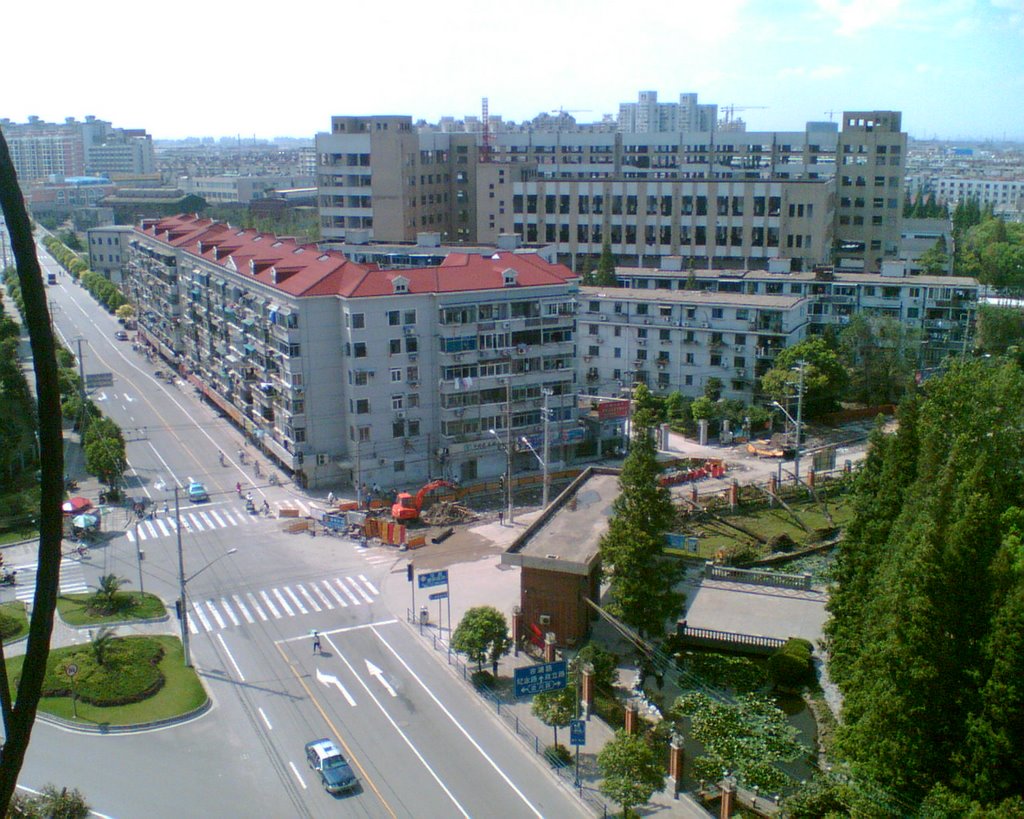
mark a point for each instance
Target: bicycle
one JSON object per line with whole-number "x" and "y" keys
{"x": 79, "y": 550}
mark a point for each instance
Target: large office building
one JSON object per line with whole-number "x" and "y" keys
{"x": 344, "y": 372}
{"x": 728, "y": 198}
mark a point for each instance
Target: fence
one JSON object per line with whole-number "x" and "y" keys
{"x": 503, "y": 708}
{"x": 711, "y": 638}
{"x": 785, "y": 581}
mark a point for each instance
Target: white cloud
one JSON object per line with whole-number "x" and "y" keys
{"x": 851, "y": 17}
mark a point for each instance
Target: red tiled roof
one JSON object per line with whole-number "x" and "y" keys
{"x": 303, "y": 270}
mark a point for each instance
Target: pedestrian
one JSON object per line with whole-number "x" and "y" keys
{"x": 330, "y": 499}
{"x": 167, "y": 509}
{"x": 316, "y": 642}
{"x": 501, "y": 518}
{"x": 376, "y": 489}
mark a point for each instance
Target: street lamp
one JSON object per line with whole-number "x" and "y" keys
{"x": 543, "y": 465}
{"x": 184, "y": 581}
{"x": 798, "y": 421}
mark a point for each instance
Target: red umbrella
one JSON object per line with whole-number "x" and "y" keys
{"x": 76, "y": 505}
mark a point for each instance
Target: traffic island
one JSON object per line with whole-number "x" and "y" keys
{"x": 114, "y": 683}
{"x": 95, "y": 609}
{"x": 13, "y": 621}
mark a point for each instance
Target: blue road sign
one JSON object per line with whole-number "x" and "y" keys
{"x": 439, "y": 596}
{"x": 577, "y": 732}
{"x": 536, "y": 679}
{"x": 428, "y": 579}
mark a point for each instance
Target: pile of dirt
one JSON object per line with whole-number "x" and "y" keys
{"x": 446, "y": 513}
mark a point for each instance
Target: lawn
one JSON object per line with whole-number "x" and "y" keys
{"x": 13, "y": 621}
{"x": 129, "y": 673}
{"x": 76, "y": 609}
{"x": 768, "y": 522}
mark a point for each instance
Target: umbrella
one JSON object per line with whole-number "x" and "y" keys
{"x": 84, "y": 521}
{"x": 76, "y": 504}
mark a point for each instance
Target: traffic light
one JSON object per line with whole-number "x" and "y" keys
{"x": 501, "y": 482}
{"x": 408, "y": 572}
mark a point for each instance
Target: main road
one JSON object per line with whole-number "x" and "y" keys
{"x": 420, "y": 741}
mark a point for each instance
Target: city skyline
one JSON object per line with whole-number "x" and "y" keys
{"x": 951, "y": 66}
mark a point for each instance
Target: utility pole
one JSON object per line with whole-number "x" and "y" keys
{"x": 359, "y": 472}
{"x": 799, "y": 421}
{"x": 508, "y": 445}
{"x": 183, "y": 600}
{"x": 81, "y": 388}
{"x": 547, "y": 450}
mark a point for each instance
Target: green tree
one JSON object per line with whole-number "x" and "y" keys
{"x": 105, "y": 596}
{"x": 713, "y": 388}
{"x": 880, "y": 355}
{"x": 825, "y": 378}
{"x": 999, "y": 328}
{"x": 105, "y": 458}
{"x": 604, "y": 663}
{"x": 703, "y": 408}
{"x": 51, "y": 803}
{"x": 935, "y": 261}
{"x": 482, "y": 635}
{"x": 605, "y": 275}
{"x": 631, "y": 771}
{"x": 101, "y": 641}
{"x": 648, "y": 408}
{"x": 642, "y": 579}
{"x": 555, "y": 708}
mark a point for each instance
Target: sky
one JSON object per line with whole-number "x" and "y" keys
{"x": 955, "y": 68}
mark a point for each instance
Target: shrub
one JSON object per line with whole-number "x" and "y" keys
{"x": 790, "y": 666}
{"x": 9, "y": 626}
{"x": 558, "y": 755}
{"x": 130, "y": 673}
{"x": 482, "y": 679}
{"x": 781, "y": 542}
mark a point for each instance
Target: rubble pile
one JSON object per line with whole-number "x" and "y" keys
{"x": 447, "y": 512}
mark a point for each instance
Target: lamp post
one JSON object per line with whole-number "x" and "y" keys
{"x": 507, "y": 449}
{"x": 543, "y": 464}
{"x": 798, "y": 421}
{"x": 184, "y": 581}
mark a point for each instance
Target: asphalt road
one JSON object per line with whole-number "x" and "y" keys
{"x": 420, "y": 741}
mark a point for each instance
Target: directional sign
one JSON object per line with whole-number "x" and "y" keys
{"x": 71, "y": 669}
{"x": 536, "y": 679}
{"x": 93, "y": 380}
{"x": 439, "y": 596}
{"x": 577, "y": 732}
{"x": 428, "y": 579}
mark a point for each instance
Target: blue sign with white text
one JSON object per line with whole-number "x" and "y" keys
{"x": 439, "y": 596}
{"x": 536, "y": 679}
{"x": 577, "y": 732}
{"x": 428, "y": 579}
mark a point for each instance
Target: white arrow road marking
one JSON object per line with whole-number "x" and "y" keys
{"x": 128, "y": 398}
{"x": 101, "y": 396}
{"x": 376, "y": 672}
{"x": 329, "y": 680}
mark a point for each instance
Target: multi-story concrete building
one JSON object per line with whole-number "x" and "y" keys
{"x": 41, "y": 149}
{"x": 722, "y": 199}
{"x": 232, "y": 188}
{"x": 998, "y": 193}
{"x": 108, "y": 246}
{"x": 647, "y": 115}
{"x": 347, "y": 373}
{"x": 679, "y": 339}
{"x": 942, "y": 308}
{"x": 869, "y": 212}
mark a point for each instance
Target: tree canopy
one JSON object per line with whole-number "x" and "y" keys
{"x": 482, "y": 635}
{"x": 825, "y": 378}
{"x": 631, "y": 771}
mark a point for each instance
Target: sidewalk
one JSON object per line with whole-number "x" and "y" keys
{"x": 486, "y": 582}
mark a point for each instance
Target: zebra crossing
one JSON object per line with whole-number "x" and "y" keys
{"x": 200, "y": 519}
{"x": 72, "y": 580}
{"x": 231, "y": 610}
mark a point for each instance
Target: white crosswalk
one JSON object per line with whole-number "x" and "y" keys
{"x": 216, "y": 614}
{"x": 204, "y": 519}
{"x": 72, "y": 580}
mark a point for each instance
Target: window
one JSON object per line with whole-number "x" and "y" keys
{"x": 364, "y": 434}
{"x": 360, "y": 378}
{"x": 362, "y": 406}
{"x": 294, "y": 350}
{"x": 394, "y": 346}
{"x": 413, "y": 401}
{"x": 397, "y": 402}
{"x": 399, "y": 466}
{"x": 412, "y": 374}
{"x": 398, "y": 429}
{"x": 409, "y": 317}
{"x": 359, "y": 349}
{"x": 396, "y": 376}
{"x": 414, "y": 428}
{"x": 393, "y": 318}
{"x": 358, "y": 321}
{"x": 593, "y": 349}
{"x": 412, "y": 344}
{"x": 716, "y": 312}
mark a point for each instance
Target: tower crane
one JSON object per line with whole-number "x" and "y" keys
{"x": 730, "y": 110}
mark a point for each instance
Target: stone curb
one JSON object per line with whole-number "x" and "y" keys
{"x": 125, "y": 729}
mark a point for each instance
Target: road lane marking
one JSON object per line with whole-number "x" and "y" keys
{"x": 227, "y": 651}
{"x": 344, "y": 588}
{"x": 335, "y": 595}
{"x": 270, "y": 605}
{"x": 283, "y": 602}
{"x": 229, "y": 611}
{"x": 329, "y": 680}
{"x": 373, "y": 671}
{"x": 369, "y": 585}
{"x": 265, "y": 720}
{"x": 323, "y": 597}
{"x": 218, "y": 518}
{"x": 215, "y": 613}
{"x": 296, "y": 772}
{"x": 150, "y": 528}
{"x": 401, "y": 733}
{"x": 359, "y": 589}
{"x": 206, "y": 520}
{"x": 308, "y": 596}
{"x": 193, "y": 521}
{"x": 164, "y": 528}
{"x": 256, "y": 606}
{"x": 202, "y": 618}
{"x": 295, "y": 600}
{"x": 341, "y": 630}
{"x": 458, "y": 725}
{"x": 242, "y": 608}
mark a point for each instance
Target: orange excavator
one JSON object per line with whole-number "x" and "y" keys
{"x": 407, "y": 507}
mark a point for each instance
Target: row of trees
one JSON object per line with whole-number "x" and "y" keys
{"x": 926, "y": 638}
{"x": 924, "y": 207}
{"x": 988, "y": 248}
{"x": 65, "y": 256}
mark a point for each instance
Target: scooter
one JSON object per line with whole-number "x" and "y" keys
{"x": 8, "y": 578}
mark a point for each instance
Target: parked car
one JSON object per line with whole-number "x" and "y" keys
{"x": 197, "y": 492}
{"x": 121, "y": 335}
{"x": 335, "y": 772}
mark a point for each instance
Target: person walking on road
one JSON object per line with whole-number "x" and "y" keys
{"x": 316, "y": 642}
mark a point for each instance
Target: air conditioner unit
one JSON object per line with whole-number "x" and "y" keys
{"x": 647, "y": 321}
{"x": 322, "y": 459}
{"x": 409, "y": 330}
{"x": 412, "y": 356}
{"x": 705, "y": 325}
{"x": 642, "y": 342}
{"x": 600, "y": 340}
{"x": 458, "y": 356}
{"x": 604, "y": 317}
{"x": 739, "y": 348}
{"x": 544, "y": 619}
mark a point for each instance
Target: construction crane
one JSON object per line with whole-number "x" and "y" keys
{"x": 729, "y": 111}
{"x": 563, "y": 111}
{"x": 406, "y": 507}
{"x": 831, "y": 114}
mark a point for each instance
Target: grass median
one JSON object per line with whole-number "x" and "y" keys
{"x": 126, "y": 681}
{"x": 92, "y": 610}
{"x": 13, "y": 621}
